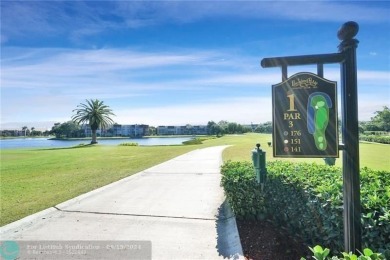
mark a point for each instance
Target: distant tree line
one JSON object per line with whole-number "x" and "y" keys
{"x": 60, "y": 130}
{"x": 265, "y": 128}
{"x": 224, "y": 127}
{"x": 379, "y": 123}
{"x": 377, "y": 129}
{"x": 71, "y": 129}
{"x": 25, "y": 131}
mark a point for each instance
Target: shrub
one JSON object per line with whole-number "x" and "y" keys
{"x": 198, "y": 140}
{"x": 193, "y": 141}
{"x": 384, "y": 139}
{"x": 242, "y": 191}
{"x": 322, "y": 254}
{"x": 301, "y": 196}
{"x": 128, "y": 144}
{"x": 307, "y": 199}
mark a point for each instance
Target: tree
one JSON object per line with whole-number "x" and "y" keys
{"x": 222, "y": 129}
{"x": 225, "y": 127}
{"x": 219, "y": 131}
{"x": 152, "y": 130}
{"x": 189, "y": 129}
{"x": 35, "y": 132}
{"x": 211, "y": 127}
{"x": 25, "y": 128}
{"x": 382, "y": 119}
{"x": 231, "y": 128}
{"x": 214, "y": 129}
{"x": 56, "y": 130}
{"x": 68, "y": 129}
{"x": 264, "y": 128}
{"x": 95, "y": 114}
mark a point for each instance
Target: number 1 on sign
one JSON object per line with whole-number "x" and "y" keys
{"x": 291, "y": 97}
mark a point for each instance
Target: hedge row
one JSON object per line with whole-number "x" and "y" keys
{"x": 128, "y": 144}
{"x": 384, "y": 139}
{"x": 307, "y": 199}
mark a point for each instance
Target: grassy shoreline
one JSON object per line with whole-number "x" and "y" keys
{"x": 22, "y": 137}
{"x": 35, "y": 179}
{"x": 87, "y": 138}
{"x": 99, "y": 138}
{"x": 120, "y": 137}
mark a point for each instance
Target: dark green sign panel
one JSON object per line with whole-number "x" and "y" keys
{"x": 305, "y": 117}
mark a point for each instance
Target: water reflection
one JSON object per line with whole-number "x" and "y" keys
{"x": 46, "y": 143}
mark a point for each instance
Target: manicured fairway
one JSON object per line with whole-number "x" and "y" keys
{"x": 372, "y": 155}
{"x": 33, "y": 180}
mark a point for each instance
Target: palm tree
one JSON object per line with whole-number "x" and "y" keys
{"x": 94, "y": 113}
{"x": 25, "y": 128}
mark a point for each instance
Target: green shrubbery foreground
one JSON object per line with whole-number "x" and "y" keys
{"x": 307, "y": 199}
{"x": 320, "y": 253}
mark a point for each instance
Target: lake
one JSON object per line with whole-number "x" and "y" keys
{"x": 18, "y": 143}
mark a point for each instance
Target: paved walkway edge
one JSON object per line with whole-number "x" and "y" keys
{"x": 228, "y": 239}
{"x": 229, "y": 242}
{"x": 26, "y": 221}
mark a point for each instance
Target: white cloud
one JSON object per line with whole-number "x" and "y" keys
{"x": 242, "y": 110}
{"x": 77, "y": 20}
{"x": 258, "y": 79}
{"x": 369, "y": 104}
{"x": 189, "y": 11}
{"x": 47, "y": 84}
{"x": 101, "y": 72}
{"x": 378, "y": 76}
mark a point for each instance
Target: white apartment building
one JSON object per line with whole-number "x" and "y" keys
{"x": 182, "y": 130}
{"x": 120, "y": 130}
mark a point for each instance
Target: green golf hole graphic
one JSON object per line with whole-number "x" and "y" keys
{"x": 318, "y": 107}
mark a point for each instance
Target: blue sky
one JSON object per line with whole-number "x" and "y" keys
{"x": 176, "y": 62}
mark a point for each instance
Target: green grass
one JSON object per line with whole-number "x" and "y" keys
{"x": 372, "y": 155}
{"x": 33, "y": 180}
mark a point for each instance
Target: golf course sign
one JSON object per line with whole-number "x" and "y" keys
{"x": 305, "y": 117}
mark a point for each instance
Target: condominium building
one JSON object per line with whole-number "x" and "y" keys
{"x": 120, "y": 130}
{"x": 143, "y": 130}
{"x": 132, "y": 130}
{"x": 182, "y": 130}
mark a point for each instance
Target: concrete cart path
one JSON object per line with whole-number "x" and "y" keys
{"x": 178, "y": 205}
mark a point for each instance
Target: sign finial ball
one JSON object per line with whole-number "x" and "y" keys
{"x": 348, "y": 30}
